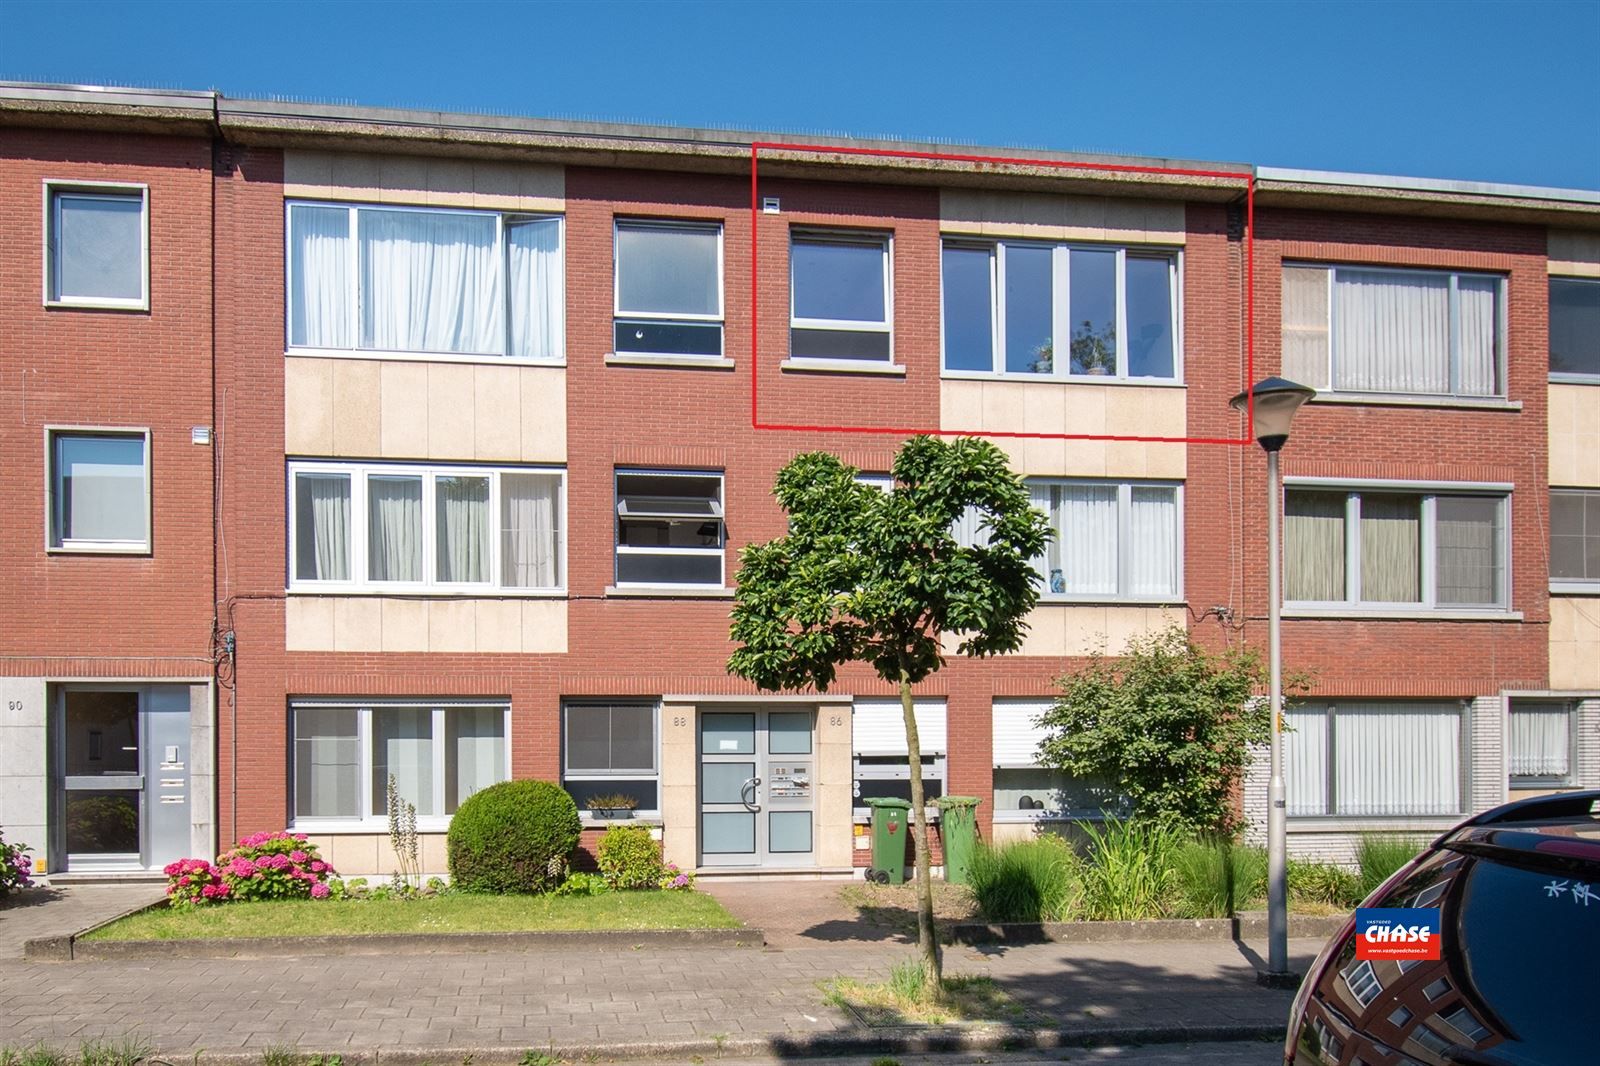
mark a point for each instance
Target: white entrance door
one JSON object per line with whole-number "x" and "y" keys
{"x": 756, "y": 788}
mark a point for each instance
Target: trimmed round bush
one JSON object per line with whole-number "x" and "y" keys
{"x": 513, "y": 837}
{"x": 630, "y": 858}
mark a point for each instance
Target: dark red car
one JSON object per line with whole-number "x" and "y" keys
{"x": 1518, "y": 978}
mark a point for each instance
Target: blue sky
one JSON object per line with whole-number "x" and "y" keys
{"x": 1486, "y": 91}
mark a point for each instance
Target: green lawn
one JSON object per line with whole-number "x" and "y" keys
{"x": 430, "y": 914}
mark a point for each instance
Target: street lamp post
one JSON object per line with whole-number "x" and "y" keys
{"x": 1273, "y": 403}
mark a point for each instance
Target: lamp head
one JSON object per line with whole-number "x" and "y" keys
{"x": 1276, "y": 401}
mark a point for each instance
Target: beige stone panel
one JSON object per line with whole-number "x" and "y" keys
{"x": 313, "y": 169}
{"x": 308, "y": 623}
{"x": 423, "y": 180}
{"x": 543, "y": 188}
{"x": 1166, "y": 461}
{"x": 451, "y": 182}
{"x": 405, "y": 624}
{"x": 1151, "y": 411}
{"x": 1045, "y": 632}
{"x": 357, "y": 403}
{"x": 834, "y": 777}
{"x": 1084, "y": 407}
{"x": 544, "y": 626}
{"x": 1044, "y": 410}
{"x": 960, "y": 405}
{"x": 1016, "y": 449}
{"x": 403, "y": 178}
{"x": 544, "y": 413}
{"x": 1574, "y": 436}
{"x": 495, "y": 183}
{"x": 1574, "y": 253}
{"x": 1002, "y": 405}
{"x": 403, "y": 416}
{"x": 434, "y": 854}
{"x": 450, "y": 410}
{"x": 357, "y": 624}
{"x": 1010, "y": 832}
{"x": 679, "y": 785}
{"x": 1574, "y": 642}
{"x": 1083, "y": 630}
{"x": 351, "y": 176}
{"x": 497, "y": 413}
{"x": 1061, "y": 217}
{"x": 498, "y": 624}
{"x": 1125, "y": 458}
{"x": 1064, "y": 458}
{"x": 307, "y": 406}
{"x": 452, "y": 625}
{"x": 353, "y": 854}
{"x": 1124, "y": 623}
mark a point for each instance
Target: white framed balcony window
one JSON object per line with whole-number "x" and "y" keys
{"x": 1035, "y": 310}
{"x": 97, "y": 245}
{"x": 1395, "y": 549}
{"x": 391, "y": 527}
{"x": 1575, "y": 330}
{"x": 1114, "y": 541}
{"x": 425, "y": 281}
{"x": 1384, "y": 331}
{"x": 97, "y": 490}
{"x": 670, "y": 531}
{"x": 841, "y": 297}
{"x": 1374, "y": 759}
{"x": 668, "y": 289}
{"x": 609, "y": 748}
{"x": 439, "y": 752}
{"x": 1539, "y": 742}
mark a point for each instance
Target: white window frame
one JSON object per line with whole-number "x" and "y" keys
{"x": 59, "y": 545}
{"x": 1572, "y": 585}
{"x": 360, "y": 584}
{"x": 353, "y": 294}
{"x": 1567, "y": 376}
{"x": 1328, "y": 711}
{"x": 823, "y": 235}
{"x": 1454, "y": 277}
{"x": 1061, "y": 309}
{"x": 1526, "y": 781}
{"x": 1038, "y": 707}
{"x": 1124, "y": 539}
{"x": 567, "y": 706}
{"x": 368, "y": 820}
{"x": 1430, "y": 491}
{"x": 54, "y": 189}
{"x": 620, "y": 549}
{"x": 618, "y": 314}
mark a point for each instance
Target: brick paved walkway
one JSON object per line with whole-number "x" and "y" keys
{"x": 357, "y": 1004}
{"x": 57, "y": 911}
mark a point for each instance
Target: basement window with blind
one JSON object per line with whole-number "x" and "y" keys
{"x": 1539, "y": 743}
{"x": 609, "y": 749}
{"x": 669, "y": 529}
{"x": 1366, "y": 330}
{"x": 1392, "y": 550}
{"x": 880, "y": 754}
{"x": 1025, "y": 791}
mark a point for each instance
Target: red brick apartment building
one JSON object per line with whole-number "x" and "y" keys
{"x": 342, "y": 443}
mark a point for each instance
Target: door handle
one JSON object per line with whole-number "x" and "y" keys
{"x": 750, "y": 785}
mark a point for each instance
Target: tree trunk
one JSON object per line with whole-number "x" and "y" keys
{"x": 927, "y": 936}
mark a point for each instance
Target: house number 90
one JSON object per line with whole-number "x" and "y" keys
{"x": 13, "y": 705}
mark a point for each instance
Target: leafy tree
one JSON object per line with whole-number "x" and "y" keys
{"x": 1167, "y": 725}
{"x": 878, "y": 577}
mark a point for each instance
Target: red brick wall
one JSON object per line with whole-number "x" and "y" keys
{"x": 124, "y": 369}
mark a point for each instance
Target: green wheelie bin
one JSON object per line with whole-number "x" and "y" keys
{"x": 891, "y": 824}
{"x": 958, "y": 817}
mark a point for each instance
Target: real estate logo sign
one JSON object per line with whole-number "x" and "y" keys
{"x": 1397, "y": 933}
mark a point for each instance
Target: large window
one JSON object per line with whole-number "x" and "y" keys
{"x": 99, "y": 491}
{"x": 668, "y": 288}
{"x": 438, "y": 752}
{"x": 1539, "y": 743}
{"x": 1373, "y": 759}
{"x": 669, "y": 528}
{"x": 426, "y": 280}
{"x": 1393, "y": 549}
{"x": 1009, "y": 304}
{"x": 1406, "y": 332}
{"x": 1575, "y": 327}
{"x": 97, "y": 246}
{"x": 609, "y": 749}
{"x": 441, "y": 529}
{"x": 878, "y": 742}
{"x": 1024, "y": 791}
{"x": 1113, "y": 541}
{"x": 1575, "y": 537}
{"x": 841, "y": 302}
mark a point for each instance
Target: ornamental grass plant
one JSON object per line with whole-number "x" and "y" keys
{"x": 1026, "y": 881}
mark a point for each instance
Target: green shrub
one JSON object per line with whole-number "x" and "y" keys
{"x": 1249, "y": 877}
{"x": 582, "y": 884}
{"x": 1381, "y": 854}
{"x": 629, "y": 858}
{"x": 1203, "y": 883}
{"x": 1025, "y": 881}
{"x": 513, "y": 837}
{"x": 1129, "y": 873}
{"x": 1322, "y": 882}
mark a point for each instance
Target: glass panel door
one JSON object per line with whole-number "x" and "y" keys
{"x": 756, "y": 788}
{"x": 103, "y": 782}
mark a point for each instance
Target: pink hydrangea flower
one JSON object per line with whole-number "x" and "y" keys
{"x": 298, "y": 856}
{"x": 319, "y": 891}
{"x": 318, "y": 866}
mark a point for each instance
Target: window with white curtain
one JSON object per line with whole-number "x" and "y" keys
{"x": 1007, "y": 303}
{"x": 1113, "y": 540}
{"x": 97, "y": 246}
{"x": 669, "y": 528}
{"x": 355, "y": 526}
{"x": 1390, "y": 549}
{"x": 841, "y": 297}
{"x": 426, "y": 280}
{"x": 1380, "y": 330}
{"x": 1539, "y": 742}
{"x": 1575, "y": 537}
{"x": 1359, "y": 760}
{"x": 668, "y": 288}
{"x": 99, "y": 498}
{"x": 439, "y": 753}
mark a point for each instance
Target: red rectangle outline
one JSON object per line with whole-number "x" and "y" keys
{"x": 900, "y": 431}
